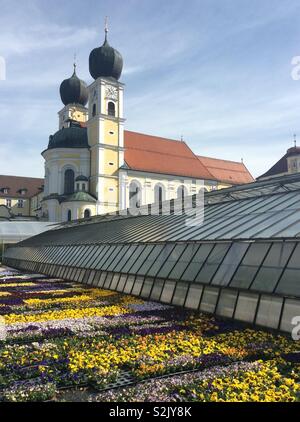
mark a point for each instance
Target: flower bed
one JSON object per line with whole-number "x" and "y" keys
{"x": 60, "y": 334}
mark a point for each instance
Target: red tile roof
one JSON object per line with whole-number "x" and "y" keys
{"x": 231, "y": 172}
{"x": 15, "y": 183}
{"x": 165, "y": 156}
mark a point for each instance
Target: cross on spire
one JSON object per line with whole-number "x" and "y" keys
{"x": 106, "y": 27}
{"x": 74, "y": 64}
{"x": 295, "y": 140}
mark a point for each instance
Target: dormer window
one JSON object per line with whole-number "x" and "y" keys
{"x": 5, "y": 191}
{"x": 22, "y": 191}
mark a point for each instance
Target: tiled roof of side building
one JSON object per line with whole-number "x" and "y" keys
{"x": 165, "y": 156}
{"x": 227, "y": 171}
{"x": 14, "y": 184}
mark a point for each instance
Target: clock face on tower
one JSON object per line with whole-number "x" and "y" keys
{"x": 112, "y": 93}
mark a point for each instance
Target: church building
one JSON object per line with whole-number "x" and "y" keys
{"x": 94, "y": 166}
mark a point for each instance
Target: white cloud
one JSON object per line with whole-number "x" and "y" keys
{"x": 43, "y": 37}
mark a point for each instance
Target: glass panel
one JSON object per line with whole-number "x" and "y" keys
{"x": 71, "y": 273}
{"x": 115, "y": 254}
{"x": 81, "y": 256}
{"x": 97, "y": 277}
{"x": 150, "y": 259}
{"x": 212, "y": 263}
{"x": 230, "y": 264}
{"x": 246, "y": 307}
{"x": 184, "y": 261}
{"x": 269, "y": 311}
{"x": 167, "y": 292}
{"x": 91, "y": 277}
{"x": 102, "y": 258}
{"x": 137, "y": 287}
{"x": 76, "y": 255}
{"x": 86, "y": 276}
{"x": 171, "y": 261}
{"x": 269, "y": 274}
{"x": 157, "y": 289}
{"x": 180, "y": 294}
{"x": 147, "y": 287}
{"x": 160, "y": 260}
{"x": 250, "y": 265}
{"x": 291, "y": 310}
{"x": 115, "y": 281}
{"x": 227, "y": 303}
{"x": 92, "y": 250}
{"x": 94, "y": 256}
{"x": 139, "y": 259}
{"x": 122, "y": 282}
{"x": 123, "y": 260}
{"x": 289, "y": 283}
{"x": 81, "y": 275}
{"x": 128, "y": 285}
{"x": 106, "y": 281}
{"x": 193, "y": 297}
{"x": 209, "y": 299}
{"x": 197, "y": 262}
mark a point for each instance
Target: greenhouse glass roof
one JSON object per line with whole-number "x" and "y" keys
{"x": 16, "y": 231}
{"x": 242, "y": 262}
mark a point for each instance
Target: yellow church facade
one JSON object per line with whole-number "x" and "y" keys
{"x": 94, "y": 166}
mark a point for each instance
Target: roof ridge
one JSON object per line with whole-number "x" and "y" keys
{"x": 220, "y": 159}
{"x": 22, "y": 177}
{"x": 160, "y": 153}
{"x": 204, "y": 166}
{"x": 155, "y": 136}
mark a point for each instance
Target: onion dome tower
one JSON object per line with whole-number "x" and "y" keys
{"x": 105, "y": 126}
{"x": 106, "y": 61}
{"x": 74, "y": 90}
{"x": 74, "y": 94}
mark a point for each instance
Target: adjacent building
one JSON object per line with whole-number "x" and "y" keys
{"x": 20, "y": 196}
{"x": 288, "y": 164}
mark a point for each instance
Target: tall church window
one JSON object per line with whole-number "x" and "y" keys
{"x": 94, "y": 110}
{"x": 69, "y": 182}
{"x": 182, "y": 192}
{"x": 134, "y": 195}
{"x": 159, "y": 194}
{"x": 69, "y": 215}
{"x": 87, "y": 214}
{"x": 111, "y": 109}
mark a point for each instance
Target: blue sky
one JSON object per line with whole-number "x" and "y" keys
{"x": 217, "y": 72}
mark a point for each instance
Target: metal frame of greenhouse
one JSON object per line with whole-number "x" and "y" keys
{"x": 242, "y": 263}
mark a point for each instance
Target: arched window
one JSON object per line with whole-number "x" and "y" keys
{"x": 69, "y": 215}
{"x": 87, "y": 214}
{"x": 111, "y": 109}
{"x": 134, "y": 195}
{"x": 69, "y": 182}
{"x": 159, "y": 194}
{"x": 94, "y": 110}
{"x": 182, "y": 192}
